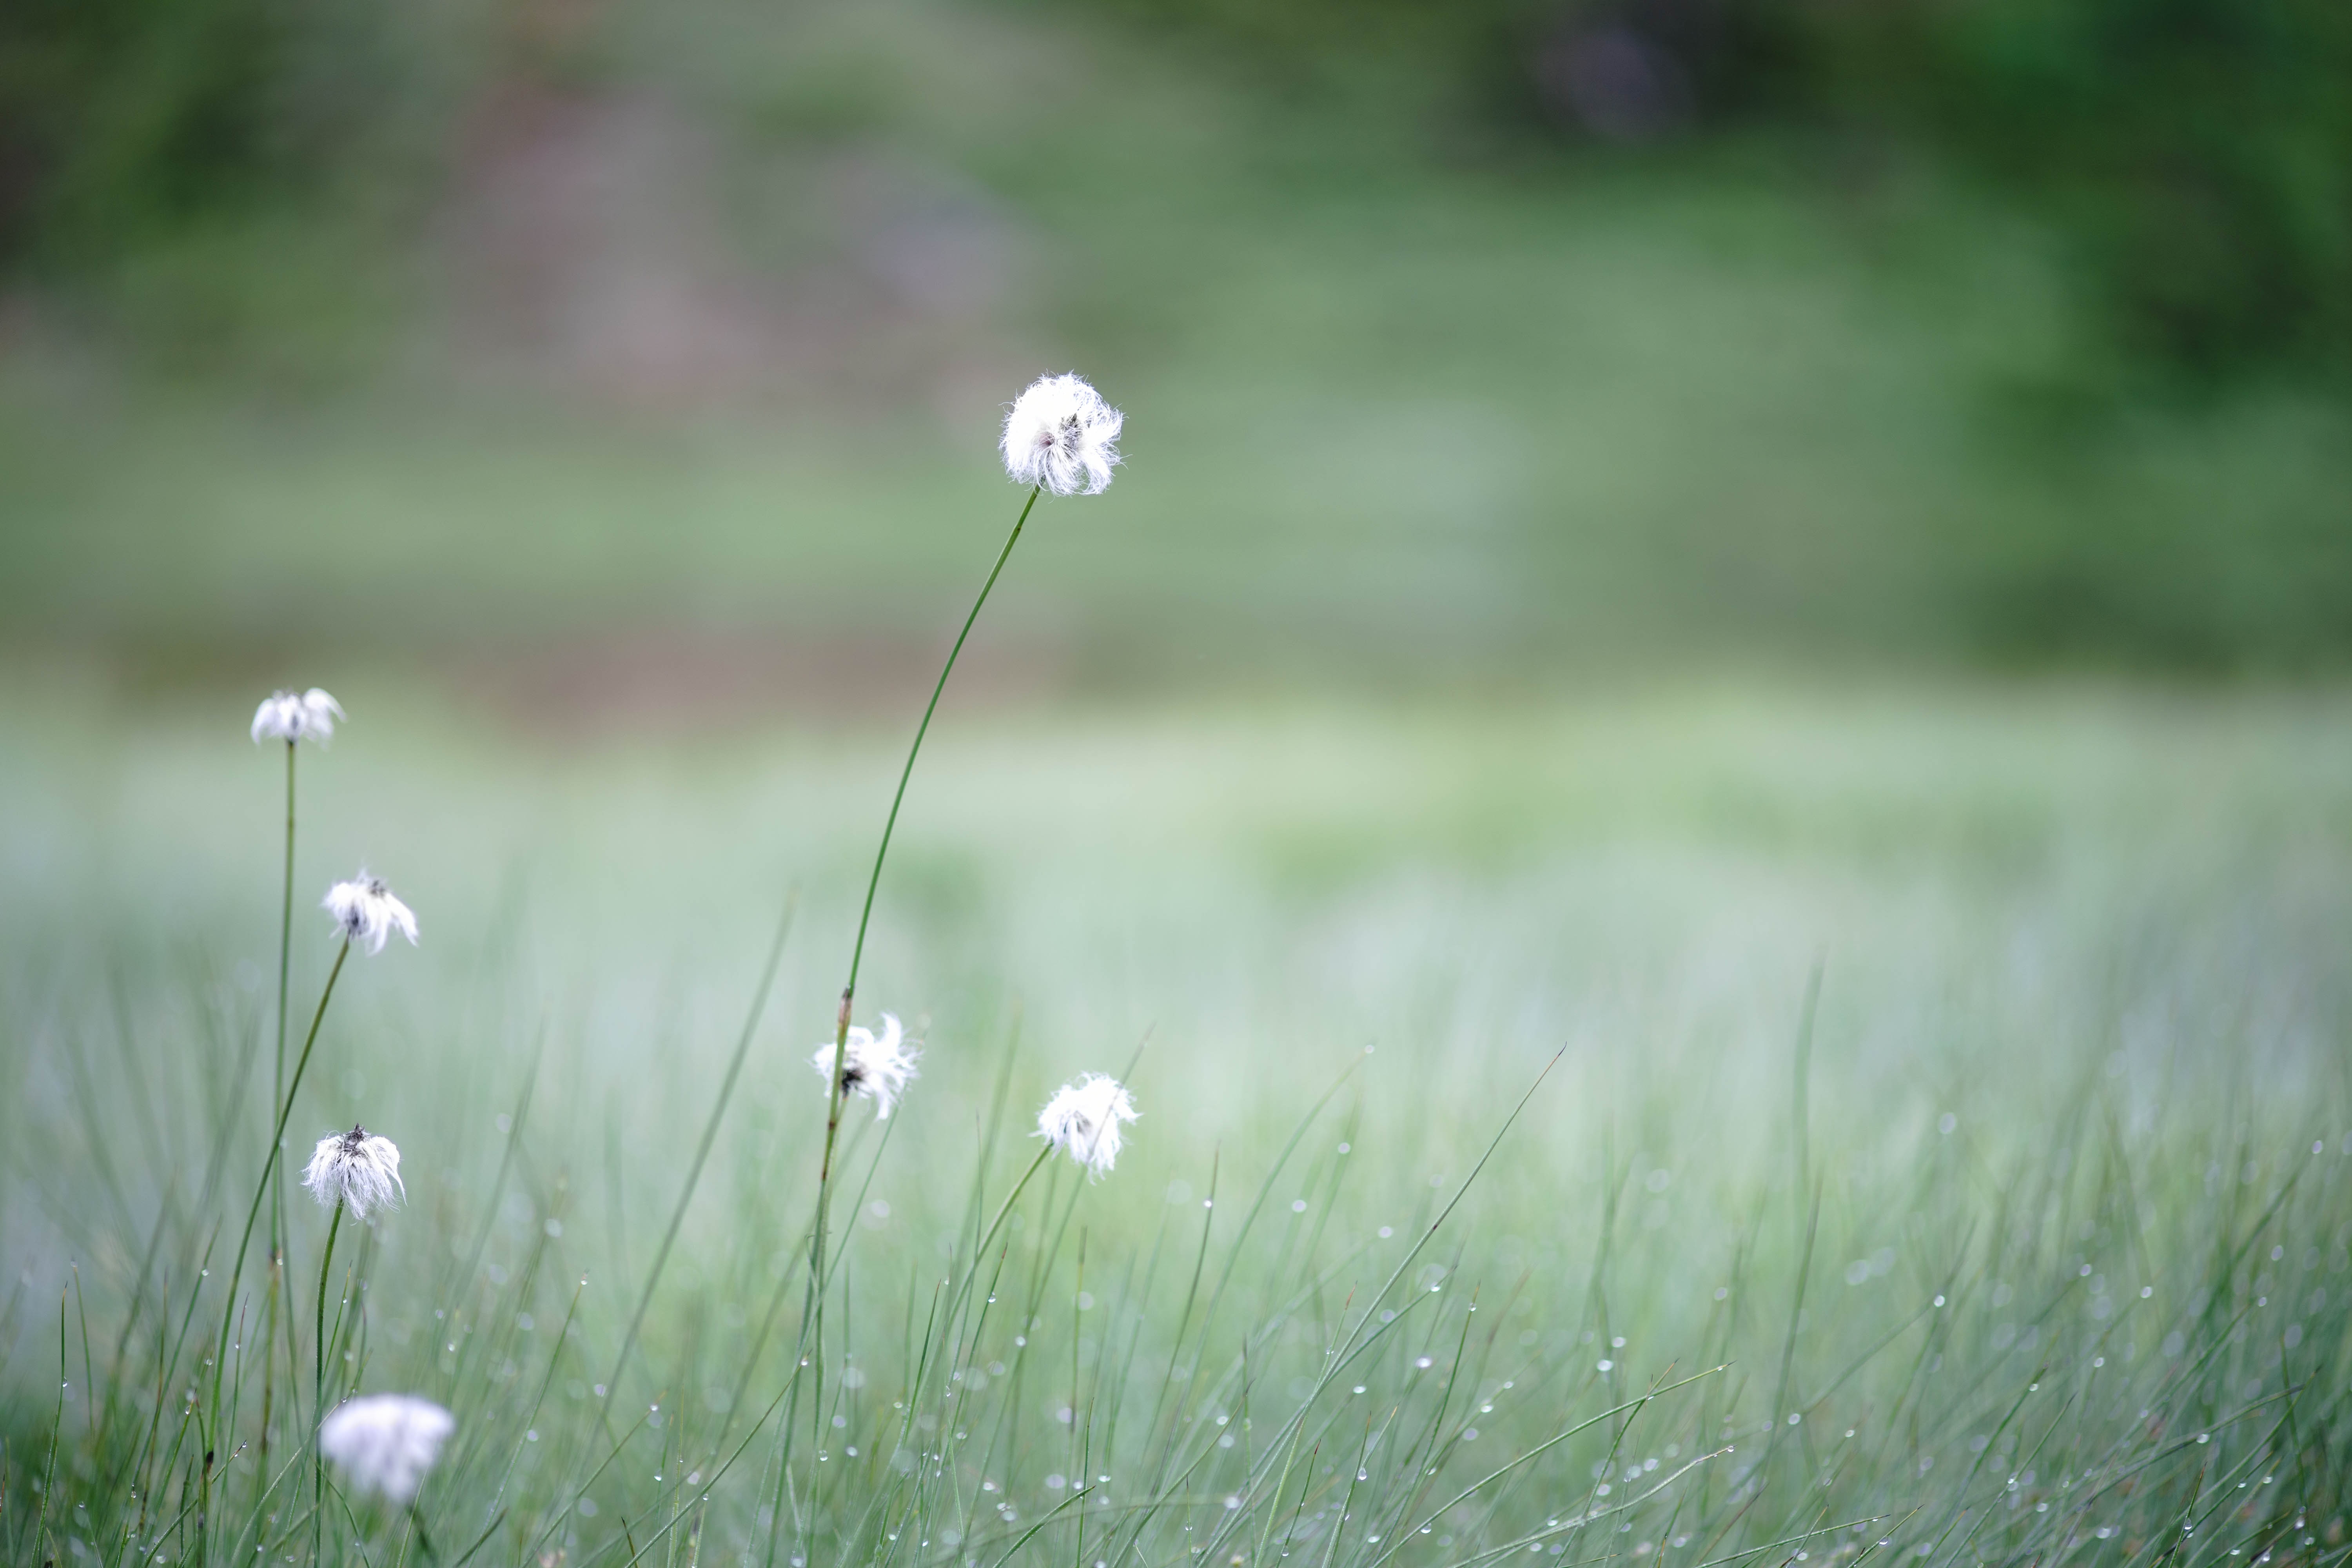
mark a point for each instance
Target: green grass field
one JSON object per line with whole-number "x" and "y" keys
{"x": 2025, "y": 1242}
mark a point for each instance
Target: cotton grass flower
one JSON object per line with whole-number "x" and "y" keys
{"x": 358, "y": 1169}
{"x": 1060, "y": 434}
{"x": 365, "y": 911}
{"x": 291, "y": 716}
{"x": 386, "y": 1442}
{"x": 878, "y": 1067}
{"x": 1083, "y": 1119}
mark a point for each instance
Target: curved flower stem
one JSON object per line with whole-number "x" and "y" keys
{"x": 319, "y": 1392}
{"x": 269, "y": 1165}
{"x": 972, "y": 1271}
{"x": 285, "y": 958}
{"x": 857, "y": 951}
{"x": 812, "y": 1316}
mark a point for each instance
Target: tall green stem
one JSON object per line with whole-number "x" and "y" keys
{"x": 857, "y": 951}
{"x": 811, "y": 1352}
{"x": 319, "y": 1392}
{"x": 277, "y": 1093}
{"x": 836, "y": 1092}
{"x": 285, "y": 960}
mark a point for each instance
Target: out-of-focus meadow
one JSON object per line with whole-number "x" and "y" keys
{"x": 663, "y": 344}
{"x": 1799, "y": 558}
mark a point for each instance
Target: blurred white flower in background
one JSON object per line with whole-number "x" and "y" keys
{"x": 356, "y": 1169}
{"x": 293, "y": 715}
{"x": 1060, "y": 434}
{"x": 365, "y": 911}
{"x": 1083, "y": 1119}
{"x": 386, "y": 1442}
{"x": 878, "y": 1067}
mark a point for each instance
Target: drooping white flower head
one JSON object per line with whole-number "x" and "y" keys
{"x": 1083, "y": 1118}
{"x": 385, "y": 1442}
{"x": 878, "y": 1067}
{"x": 1060, "y": 434}
{"x": 357, "y": 1169}
{"x": 291, "y": 716}
{"x": 365, "y": 911}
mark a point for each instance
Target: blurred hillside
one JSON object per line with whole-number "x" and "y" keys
{"x": 617, "y": 346}
{"x": 2191, "y": 159}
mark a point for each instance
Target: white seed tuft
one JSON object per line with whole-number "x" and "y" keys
{"x": 291, "y": 716}
{"x": 1083, "y": 1119}
{"x": 878, "y": 1067}
{"x": 357, "y": 1169}
{"x": 1061, "y": 434}
{"x": 386, "y": 1442}
{"x": 365, "y": 911}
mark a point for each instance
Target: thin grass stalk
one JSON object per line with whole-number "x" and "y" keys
{"x": 269, "y": 1165}
{"x": 702, "y": 1150}
{"x": 56, "y": 1429}
{"x": 277, "y": 1094}
{"x": 318, "y": 1379}
{"x": 1357, "y": 1340}
{"x": 962, "y": 1295}
{"x": 813, "y": 1315}
{"x": 1077, "y": 1440}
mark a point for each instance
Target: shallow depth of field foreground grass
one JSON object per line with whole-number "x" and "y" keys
{"x": 1948, "y": 1155}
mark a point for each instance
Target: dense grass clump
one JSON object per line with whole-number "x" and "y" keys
{"x": 2013, "y": 1232}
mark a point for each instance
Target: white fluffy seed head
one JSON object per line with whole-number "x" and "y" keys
{"x": 878, "y": 1067}
{"x": 365, "y": 911}
{"x": 386, "y": 1443}
{"x": 1083, "y": 1119}
{"x": 293, "y": 715}
{"x": 1060, "y": 434}
{"x": 357, "y": 1169}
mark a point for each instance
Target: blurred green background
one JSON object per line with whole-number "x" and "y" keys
{"x": 594, "y": 352}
